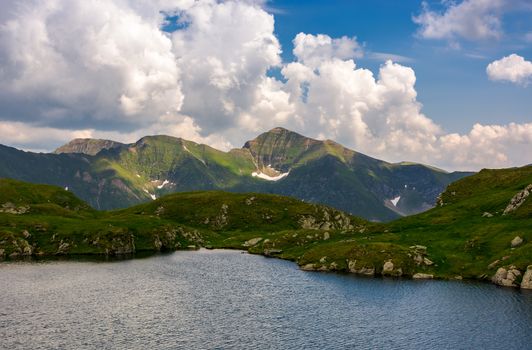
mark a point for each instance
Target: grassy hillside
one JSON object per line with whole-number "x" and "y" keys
{"x": 465, "y": 236}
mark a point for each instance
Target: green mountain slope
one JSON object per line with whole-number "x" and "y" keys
{"x": 111, "y": 175}
{"x": 481, "y": 229}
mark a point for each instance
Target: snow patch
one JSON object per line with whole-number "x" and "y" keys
{"x": 165, "y": 182}
{"x": 151, "y": 195}
{"x": 395, "y": 200}
{"x": 269, "y": 178}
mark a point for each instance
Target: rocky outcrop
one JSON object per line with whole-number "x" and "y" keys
{"x": 518, "y": 200}
{"x": 526, "y": 282}
{"x": 389, "y": 269}
{"x": 517, "y": 241}
{"x": 419, "y": 254}
{"x": 272, "y": 252}
{"x": 366, "y": 271}
{"x": 506, "y": 277}
{"x": 326, "y": 219}
{"x": 252, "y": 242}
{"x": 10, "y": 208}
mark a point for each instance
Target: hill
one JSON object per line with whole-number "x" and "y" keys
{"x": 481, "y": 229}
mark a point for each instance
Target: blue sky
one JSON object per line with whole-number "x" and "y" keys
{"x": 451, "y": 83}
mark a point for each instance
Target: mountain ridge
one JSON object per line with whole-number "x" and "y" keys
{"x": 116, "y": 175}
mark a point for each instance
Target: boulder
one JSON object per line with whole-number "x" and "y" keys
{"x": 387, "y": 267}
{"x": 422, "y": 276}
{"x": 517, "y": 241}
{"x": 308, "y": 267}
{"x": 487, "y": 215}
{"x": 506, "y": 278}
{"x": 526, "y": 283}
{"x": 252, "y": 242}
{"x": 427, "y": 261}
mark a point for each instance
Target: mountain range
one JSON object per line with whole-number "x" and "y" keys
{"x": 111, "y": 175}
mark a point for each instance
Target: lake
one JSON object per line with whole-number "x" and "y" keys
{"x": 225, "y": 299}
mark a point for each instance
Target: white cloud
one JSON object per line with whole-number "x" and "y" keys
{"x": 85, "y": 63}
{"x": 105, "y": 69}
{"x": 469, "y": 19}
{"x": 512, "y": 68}
{"x": 311, "y": 49}
{"x": 224, "y": 53}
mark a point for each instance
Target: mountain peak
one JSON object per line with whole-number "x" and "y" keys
{"x": 279, "y": 149}
{"x": 87, "y": 146}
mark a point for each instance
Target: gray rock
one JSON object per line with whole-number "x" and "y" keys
{"x": 387, "y": 267}
{"x": 428, "y": 262}
{"x": 270, "y": 252}
{"x": 366, "y": 271}
{"x": 252, "y": 242}
{"x": 419, "y": 248}
{"x": 506, "y": 278}
{"x": 487, "y": 215}
{"x": 308, "y": 267}
{"x": 526, "y": 282}
{"x": 518, "y": 200}
{"x": 493, "y": 264}
{"x": 517, "y": 241}
{"x": 422, "y": 276}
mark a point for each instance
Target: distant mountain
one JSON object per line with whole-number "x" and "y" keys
{"x": 109, "y": 174}
{"x": 87, "y": 146}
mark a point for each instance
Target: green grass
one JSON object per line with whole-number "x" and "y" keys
{"x": 459, "y": 240}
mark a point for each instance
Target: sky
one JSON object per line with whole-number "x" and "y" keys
{"x": 446, "y": 83}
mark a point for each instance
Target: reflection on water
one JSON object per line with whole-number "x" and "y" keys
{"x": 225, "y": 299}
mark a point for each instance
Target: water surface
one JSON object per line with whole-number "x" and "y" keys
{"x": 228, "y": 300}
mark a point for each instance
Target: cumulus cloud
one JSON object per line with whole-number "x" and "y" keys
{"x": 85, "y": 64}
{"x": 106, "y": 69}
{"x": 512, "y": 68}
{"x": 469, "y": 19}
{"x": 311, "y": 49}
{"x": 224, "y": 52}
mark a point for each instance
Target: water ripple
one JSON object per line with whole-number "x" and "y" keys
{"x": 227, "y": 300}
